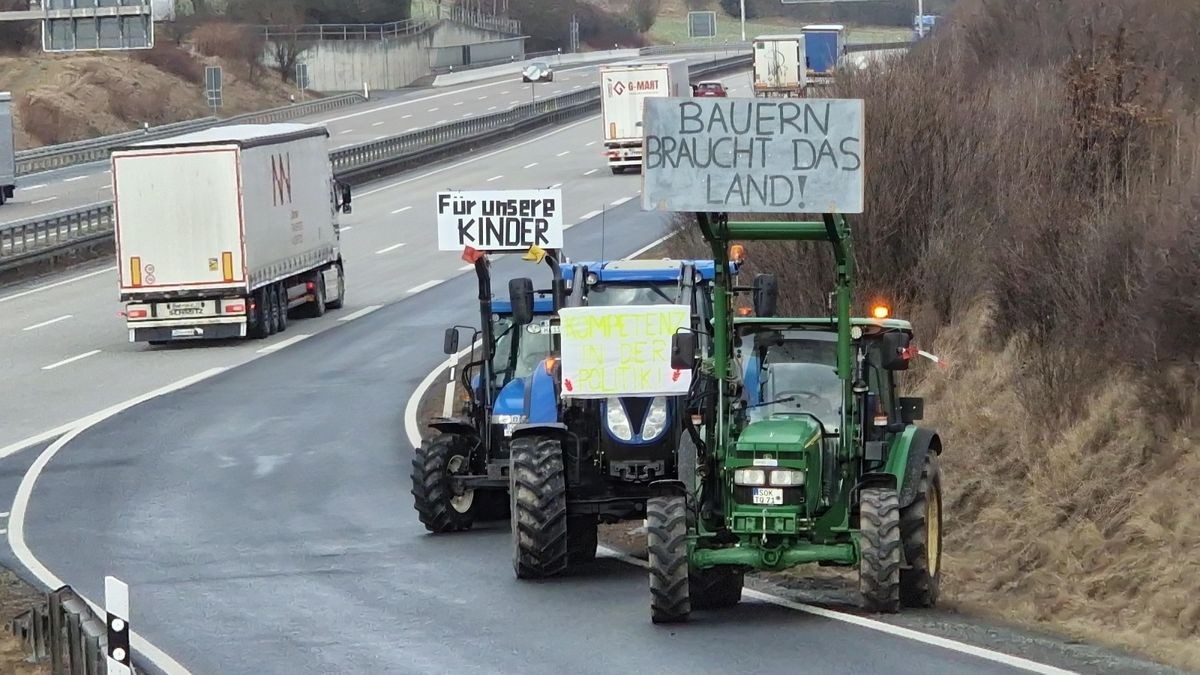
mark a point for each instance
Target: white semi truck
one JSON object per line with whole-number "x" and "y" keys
{"x": 221, "y": 233}
{"x": 779, "y": 66}
{"x": 8, "y": 155}
{"x": 623, "y": 88}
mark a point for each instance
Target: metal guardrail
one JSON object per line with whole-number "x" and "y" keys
{"x": 96, "y": 149}
{"x": 64, "y": 232}
{"x": 343, "y": 31}
{"x": 877, "y": 46}
{"x": 66, "y": 632}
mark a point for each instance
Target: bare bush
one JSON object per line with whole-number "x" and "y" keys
{"x": 42, "y": 120}
{"x": 171, "y": 59}
{"x": 645, "y": 13}
{"x": 240, "y": 45}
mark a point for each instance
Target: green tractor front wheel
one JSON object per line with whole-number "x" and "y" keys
{"x": 921, "y": 531}
{"x": 667, "y": 553}
{"x": 879, "y": 544}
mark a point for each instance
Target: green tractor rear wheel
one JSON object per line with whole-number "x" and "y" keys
{"x": 666, "y": 530}
{"x": 538, "y": 498}
{"x": 879, "y": 540}
{"x": 921, "y": 531}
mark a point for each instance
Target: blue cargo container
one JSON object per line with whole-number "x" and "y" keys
{"x": 823, "y": 47}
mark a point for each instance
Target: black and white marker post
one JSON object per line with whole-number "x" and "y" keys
{"x": 116, "y": 607}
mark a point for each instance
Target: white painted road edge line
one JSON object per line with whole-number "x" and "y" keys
{"x": 589, "y": 215}
{"x": 73, "y": 359}
{"x": 423, "y": 287}
{"x": 621, "y": 201}
{"x": 16, "y": 525}
{"x": 360, "y": 313}
{"x": 43, "y": 324}
{"x": 284, "y": 343}
{"x": 412, "y": 429}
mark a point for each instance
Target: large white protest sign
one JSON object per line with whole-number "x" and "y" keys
{"x": 753, "y": 155}
{"x": 499, "y": 220}
{"x": 621, "y": 351}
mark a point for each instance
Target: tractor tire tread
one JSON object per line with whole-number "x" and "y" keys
{"x": 539, "y": 508}
{"x": 431, "y": 489}
{"x": 919, "y": 588}
{"x": 666, "y": 532}
{"x": 879, "y": 537}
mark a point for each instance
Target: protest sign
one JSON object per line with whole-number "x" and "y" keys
{"x": 753, "y": 155}
{"x": 500, "y": 220}
{"x": 621, "y": 351}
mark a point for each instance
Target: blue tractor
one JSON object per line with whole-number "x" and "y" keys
{"x": 460, "y": 475}
{"x": 578, "y": 463}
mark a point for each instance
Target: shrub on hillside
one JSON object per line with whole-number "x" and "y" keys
{"x": 240, "y": 45}
{"x": 42, "y": 120}
{"x": 645, "y": 13}
{"x": 171, "y": 59}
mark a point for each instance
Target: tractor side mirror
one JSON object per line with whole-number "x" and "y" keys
{"x": 912, "y": 409}
{"x": 895, "y": 344}
{"x": 346, "y": 198}
{"x": 520, "y": 294}
{"x": 766, "y": 295}
{"x": 683, "y": 351}
{"x": 450, "y": 342}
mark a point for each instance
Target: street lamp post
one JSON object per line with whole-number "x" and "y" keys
{"x": 743, "y": 4}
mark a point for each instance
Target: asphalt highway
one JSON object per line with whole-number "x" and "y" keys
{"x": 390, "y": 115}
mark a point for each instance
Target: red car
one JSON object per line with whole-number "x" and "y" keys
{"x": 709, "y": 88}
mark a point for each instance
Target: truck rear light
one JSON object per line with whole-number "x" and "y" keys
{"x": 136, "y": 314}
{"x": 237, "y": 308}
{"x": 310, "y": 286}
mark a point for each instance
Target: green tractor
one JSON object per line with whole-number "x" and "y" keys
{"x": 807, "y": 452}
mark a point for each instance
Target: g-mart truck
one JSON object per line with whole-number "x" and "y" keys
{"x": 780, "y": 66}
{"x": 224, "y": 233}
{"x": 623, "y": 88}
{"x": 8, "y": 156}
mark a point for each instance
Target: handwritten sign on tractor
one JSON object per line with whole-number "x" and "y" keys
{"x": 753, "y": 155}
{"x": 621, "y": 351}
{"x": 499, "y": 220}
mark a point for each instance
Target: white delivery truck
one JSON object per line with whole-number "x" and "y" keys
{"x": 8, "y": 153}
{"x": 779, "y": 66}
{"x": 623, "y": 87}
{"x": 221, "y": 232}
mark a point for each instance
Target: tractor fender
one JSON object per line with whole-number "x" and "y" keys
{"x": 455, "y": 426}
{"x": 668, "y": 488}
{"x": 906, "y": 459}
{"x": 553, "y": 429}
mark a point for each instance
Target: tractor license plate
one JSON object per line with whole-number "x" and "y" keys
{"x": 509, "y": 429}
{"x": 768, "y": 496}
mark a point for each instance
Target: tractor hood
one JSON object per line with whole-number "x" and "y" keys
{"x": 511, "y": 400}
{"x": 791, "y": 434}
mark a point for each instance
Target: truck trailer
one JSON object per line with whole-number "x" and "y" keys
{"x": 8, "y": 155}
{"x": 222, "y": 233}
{"x": 780, "y": 66}
{"x": 823, "y": 49}
{"x": 623, "y": 87}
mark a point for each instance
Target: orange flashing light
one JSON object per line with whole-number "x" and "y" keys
{"x": 881, "y": 311}
{"x": 744, "y": 311}
{"x": 737, "y": 253}
{"x": 550, "y": 363}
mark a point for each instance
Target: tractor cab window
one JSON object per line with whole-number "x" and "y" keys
{"x": 519, "y": 349}
{"x": 793, "y": 373}
{"x": 642, "y": 293}
{"x": 535, "y": 346}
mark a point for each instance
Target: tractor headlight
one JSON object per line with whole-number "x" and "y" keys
{"x": 749, "y": 477}
{"x": 618, "y": 421}
{"x": 787, "y": 477}
{"x": 656, "y": 419}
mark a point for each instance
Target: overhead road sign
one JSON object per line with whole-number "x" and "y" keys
{"x": 88, "y": 25}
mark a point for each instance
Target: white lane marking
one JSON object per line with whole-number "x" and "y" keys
{"x": 360, "y": 313}
{"x": 589, "y": 215}
{"x": 514, "y": 102}
{"x": 16, "y": 527}
{"x": 504, "y": 93}
{"x": 3, "y": 531}
{"x": 35, "y": 187}
{"x": 530, "y": 165}
{"x": 458, "y": 103}
{"x": 491, "y": 108}
{"x": 389, "y": 249}
{"x": 467, "y": 115}
{"x": 439, "y": 123}
{"x": 108, "y": 171}
{"x": 347, "y": 228}
{"x": 589, "y": 144}
{"x": 43, "y": 324}
{"x": 4, "y": 514}
{"x": 414, "y": 129}
{"x": 424, "y": 287}
{"x": 106, "y": 187}
{"x": 343, "y": 133}
{"x": 432, "y": 110}
{"x": 621, "y": 201}
{"x": 43, "y": 201}
{"x": 564, "y": 152}
{"x": 558, "y": 91}
{"x": 493, "y": 153}
{"x": 495, "y": 178}
{"x": 464, "y": 268}
{"x": 73, "y": 359}
{"x": 72, "y": 180}
{"x": 406, "y": 117}
{"x": 482, "y": 98}
{"x": 578, "y": 86}
{"x": 377, "y": 124}
{"x": 401, "y": 210}
{"x": 284, "y": 343}
{"x": 592, "y": 171}
{"x": 556, "y": 186}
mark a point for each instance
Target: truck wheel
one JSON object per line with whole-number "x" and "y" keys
{"x": 270, "y": 311}
{"x": 538, "y": 494}
{"x": 281, "y": 304}
{"x": 666, "y": 533}
{"x": 340, "y": 298}
{"x": 259, "y": 327}
{"x": 582, "y": 538}
{"x": 879, "y": 539}
{"x": 438, "y": 507}
{"x": 316, "y": 308}
{"x": 921, "y": 531}
{"x": 716, "y": 587}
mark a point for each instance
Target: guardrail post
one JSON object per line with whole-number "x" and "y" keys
{"x": 57, "y": 629}
{"x": 75, "y": 644}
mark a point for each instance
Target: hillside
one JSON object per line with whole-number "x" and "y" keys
{"x": 60, "y": 98}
